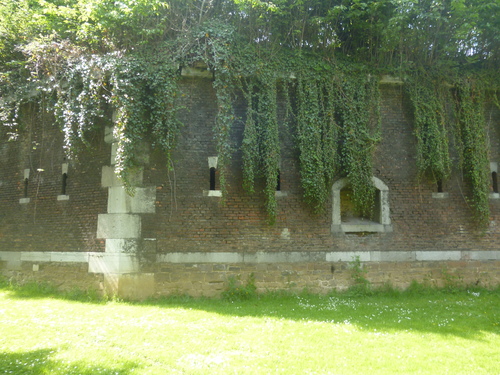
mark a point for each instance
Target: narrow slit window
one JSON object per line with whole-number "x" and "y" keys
{"x": 278, "y": 181}
{"x": 64, "y": 183}
{"x": 26, "y": 183}
{"x": 439, "y": 186}
{"x": 212, "y": 178}
{"x": 494, "y": 180}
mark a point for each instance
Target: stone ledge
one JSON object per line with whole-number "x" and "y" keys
{"x": 260, "y": 257}
{"x": 212, "y": 193}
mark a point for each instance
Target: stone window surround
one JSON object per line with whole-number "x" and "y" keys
{"x": 212, "y": 163}
{"x": 383, "y": 223}
{"x": 494, "y": 168}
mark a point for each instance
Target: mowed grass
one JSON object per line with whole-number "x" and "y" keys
{"x": 426, "y": 332}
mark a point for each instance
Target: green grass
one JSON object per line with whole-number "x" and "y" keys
{"x": 418, "y": 332}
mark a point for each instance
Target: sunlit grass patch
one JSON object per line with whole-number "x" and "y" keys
{"x": 384, "y": 333}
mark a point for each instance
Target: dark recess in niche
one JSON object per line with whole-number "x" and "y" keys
{"x": 212, "y": 178}
{"x": 64, "y": 183}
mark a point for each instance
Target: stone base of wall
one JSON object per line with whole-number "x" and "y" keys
{"x": 323, "y": 277}
{"x": 211, "y": 279}
{"x": 64, "y": 276}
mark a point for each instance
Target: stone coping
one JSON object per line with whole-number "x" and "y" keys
{"x": 259, "y": 257}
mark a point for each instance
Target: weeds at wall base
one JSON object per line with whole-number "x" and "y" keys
{"x": 238, "y": 291}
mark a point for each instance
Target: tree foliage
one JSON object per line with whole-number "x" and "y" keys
{"x": 82, "y": 56}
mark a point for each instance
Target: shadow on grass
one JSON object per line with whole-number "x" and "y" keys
{"x": 464, "y": 313}
{"x": 40, "y": 362}
{"x": 40, "y": 290}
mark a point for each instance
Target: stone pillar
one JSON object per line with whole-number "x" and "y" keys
{"x": 121, "y": 229}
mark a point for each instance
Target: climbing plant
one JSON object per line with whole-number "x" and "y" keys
{"x": 313, "y": 125}
{"x": 260, "y": 145}
{"x": 359, "y": 119}
{"x": 429, "y": 96}
{"x": 473, "y": 145}
{"x": 337, "y": 128}
{"x": 85, "y": 59}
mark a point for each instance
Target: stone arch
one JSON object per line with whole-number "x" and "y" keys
{"x": 380, "y": 223}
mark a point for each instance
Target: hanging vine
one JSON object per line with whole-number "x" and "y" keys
{"x": 359, "y": 120}
{"x": 222, "y": 128}
{"x": 473, "y": 145}
{"x": 247, "y": 45}
{"x": 337, "y": 128}
{"x": 311, "y": 128}
{"x": 429, "y": 98}
{"x": 250, "y": 143}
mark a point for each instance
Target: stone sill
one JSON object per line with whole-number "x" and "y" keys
{"x": 369, "y": 227}
{"x": 212, "y": 193}
{"x": 63, "y": 197}
{"x": 494, "y": 195}
{"x": 440, "y": 195}
{"x": 24, "y": 200}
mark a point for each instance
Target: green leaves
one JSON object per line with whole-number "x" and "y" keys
{"x": 261, "y": 144}
{"x": 429, "y": 97}
{"x": 473, "y": 146}
{"x": 337, "y": 128}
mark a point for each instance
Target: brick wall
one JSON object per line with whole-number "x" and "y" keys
{"x": 186, "y": 221}
{"x": 46, "y": 223}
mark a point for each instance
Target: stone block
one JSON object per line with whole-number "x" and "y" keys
{"x": 118, "y": 226}
{"x": 113, "y": 263}
{"x": 481, "y": 255}
{"x": 35, "y": 256}
{"x": 392, "y": 256}
{"x": 10, "y": 260}
{"x": 438, "y": 255}
{"x": 135, "y": 286}
{"x": 108, "y": 134}
{"x": 201, "y": 258}
{"x": 69, "y": 257}
{"x": 348, "y": 256}
{"x": 122, "y": 245}
{"x": 110, "y": 179}
{"x": 143, "y": 200}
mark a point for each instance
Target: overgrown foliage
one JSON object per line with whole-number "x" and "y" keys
{"x": 471, "y": 134}
{"x": 431, "y": 116}
{"x": 84, "y": 59}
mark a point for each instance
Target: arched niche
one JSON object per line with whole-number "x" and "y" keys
{"x": 381, "y": 222}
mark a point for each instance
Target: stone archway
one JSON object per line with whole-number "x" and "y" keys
{"x": 381, "y": 221}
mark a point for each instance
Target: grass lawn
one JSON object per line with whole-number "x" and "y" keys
{"x": 428, "y": 332}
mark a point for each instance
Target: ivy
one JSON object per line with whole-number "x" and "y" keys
{"x": 79, "y": 87}
{"x": 60, "y": 57}
{"x": 337, "y": 129}
{"x": 250, "y": 143}
{"x": 222, "y": 128}
{"x": 261, "y": 146}
{"x": 472, "y": 142}
{"x": 359, "y": 121}
{"x": 429, "y": 97}
{"x": 311, "y": 124}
